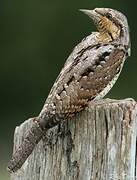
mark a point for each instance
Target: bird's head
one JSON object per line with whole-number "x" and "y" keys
{"x": 110, "y": 21}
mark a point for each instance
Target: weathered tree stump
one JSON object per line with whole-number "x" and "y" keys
{"x": 97, "y": 144}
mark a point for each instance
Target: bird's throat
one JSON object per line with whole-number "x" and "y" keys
{"x": 109, "y": 31}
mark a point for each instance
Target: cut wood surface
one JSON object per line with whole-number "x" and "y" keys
{"x": 97, "y": 144}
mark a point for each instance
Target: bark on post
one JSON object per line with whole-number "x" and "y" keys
{"x": 97, "y": 144}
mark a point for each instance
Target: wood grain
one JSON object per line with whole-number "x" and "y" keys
{"x": 98, "y": 144}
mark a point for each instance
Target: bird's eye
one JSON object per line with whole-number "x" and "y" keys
{"x": 108, "y": 15}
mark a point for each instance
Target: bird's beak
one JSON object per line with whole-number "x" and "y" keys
{"x": 92, "y": 14}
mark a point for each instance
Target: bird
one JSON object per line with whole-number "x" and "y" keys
{"x": 88, "y": 74}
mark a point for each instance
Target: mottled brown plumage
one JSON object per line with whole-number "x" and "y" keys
{"x": 88, "y": 74}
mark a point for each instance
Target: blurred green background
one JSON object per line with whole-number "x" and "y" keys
{"x": 36, "y": 39}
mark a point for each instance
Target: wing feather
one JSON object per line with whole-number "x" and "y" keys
{"x": 84, "y": 77}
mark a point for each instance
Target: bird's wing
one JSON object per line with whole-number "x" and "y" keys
{"x": 85, "y": 76}
{"x": 93, "y": 78}
{"x": 87, "y": 43}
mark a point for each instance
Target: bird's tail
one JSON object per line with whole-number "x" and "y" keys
{"x": 25, "y": 149}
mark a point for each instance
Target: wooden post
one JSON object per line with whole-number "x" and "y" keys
{"x": 97, "y": 144}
